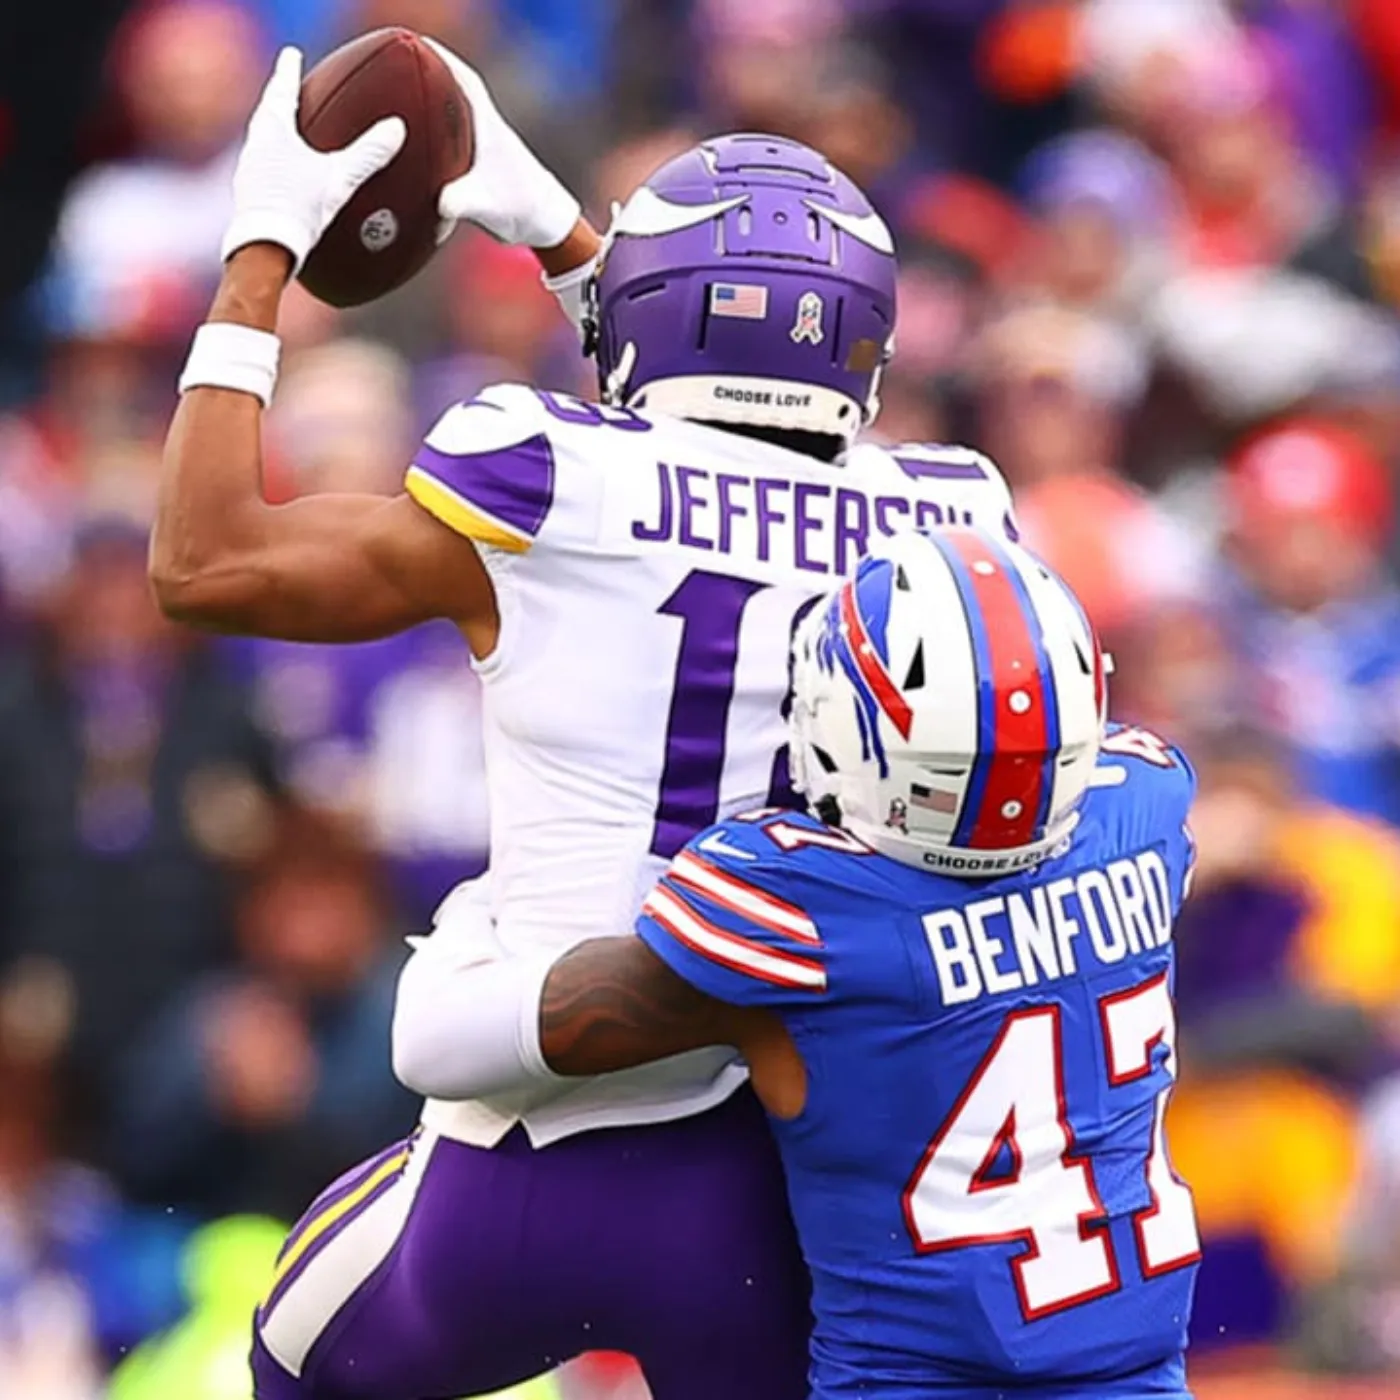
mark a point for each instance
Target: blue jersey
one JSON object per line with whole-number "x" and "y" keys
{"x": 978, "y": 1177}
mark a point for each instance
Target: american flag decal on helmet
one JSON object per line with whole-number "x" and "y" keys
{"x": 742, "y": 301}
{"x": 933, "y": 799}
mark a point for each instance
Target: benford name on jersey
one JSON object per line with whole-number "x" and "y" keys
{"x": 817, "y": 526}
{"x": 1007, "y": 942}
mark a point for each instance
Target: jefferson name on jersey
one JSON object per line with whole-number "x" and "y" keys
{"x": 1025, "y": 937}
{"x": 817, "y": 526}
{"x": 496, "y": 468}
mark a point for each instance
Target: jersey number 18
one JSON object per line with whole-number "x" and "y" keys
{"x": 711, "y": 609}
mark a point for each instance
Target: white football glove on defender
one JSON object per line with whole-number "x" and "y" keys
{"x": 508, "y": 191}
{"x": 285, "y": 191}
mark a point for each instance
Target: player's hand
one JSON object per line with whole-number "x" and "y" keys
{"x": 464, "y": 933}
{"x": 508, "y": 191}
{"x": 287, "y": 192}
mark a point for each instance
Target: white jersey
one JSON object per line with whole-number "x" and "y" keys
{"x": 649, "y": 574}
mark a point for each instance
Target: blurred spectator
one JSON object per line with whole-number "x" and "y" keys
{"x": 1175, "y": 671}
{"x": 1250, "y": 197}
{"x": 50, "y": 60}
{"x": 759, "y": 62}
{"x": 341, "y": 421}
{"x": 139, "y": 238}
{"x": 856, "y": 124}
{"x": 1288, "y": 970}
{"x": 1054, "y": 388}
{"x": 128, "y": 766}
{"x": 203, "y": 1356}
{"x": 1134, "y": 235}
{"x": 36, "y": 508}
{"x": 81, "y": 1275}
{"x": 1324, "y": 81}
{"x": 962, "y": 117}
{"x": 1349, "y": 1322}
{"x": 506, "y": 328}
{"x": 1104, "y": 203}
{"x": 387, "y": 734}
{"x": 970, "y": 224}
{"x": 628, "y": 164}
{"x": 1133, "y": 53}
{"x": 1313, "y": 613}
{"x": 1255, "y": 344}
{"x": 1377, "y": 24}
{"x": 47, "y": 1342}
{"x": 271, "y": 1078}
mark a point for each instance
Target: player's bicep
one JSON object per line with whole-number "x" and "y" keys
{"x": 612, "y": 1003}
{"x": 343, "y": 568}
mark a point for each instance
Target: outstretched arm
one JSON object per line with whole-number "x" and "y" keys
{"x": 322, "y": 568}
{"x": 331, "y": 567}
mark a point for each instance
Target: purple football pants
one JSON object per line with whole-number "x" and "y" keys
{"x": 438, "y": 1270}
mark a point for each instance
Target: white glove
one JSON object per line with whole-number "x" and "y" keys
{"x": 508, "y": 191}
{"x": 464, "y": 932}
{"x": 285, "y": 191}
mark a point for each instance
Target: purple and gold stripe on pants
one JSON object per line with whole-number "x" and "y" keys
{"x": 335, "y": 1209}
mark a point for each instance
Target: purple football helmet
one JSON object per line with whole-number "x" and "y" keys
{"x": 748, "y": 281}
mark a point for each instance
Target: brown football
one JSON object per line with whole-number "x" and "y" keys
{"x": 387, "y": 231}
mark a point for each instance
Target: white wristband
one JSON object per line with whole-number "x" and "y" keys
{"x": 569, "y": 288}
{"x": 228, "y": 356}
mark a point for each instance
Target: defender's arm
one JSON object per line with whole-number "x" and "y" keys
{"x": 612, "y": 1003}
{"x": 469, "y": 1023}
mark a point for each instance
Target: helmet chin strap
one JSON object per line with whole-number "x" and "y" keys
{"x": 872, "y": 402}
{"x": 615, "y": 386}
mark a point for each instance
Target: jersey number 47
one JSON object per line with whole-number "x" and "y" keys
{"x": 1014, "y": 1108}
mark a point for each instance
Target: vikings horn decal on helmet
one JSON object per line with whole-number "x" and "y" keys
{"x": 950, "y": 700}
{"x": 748, "y": 281}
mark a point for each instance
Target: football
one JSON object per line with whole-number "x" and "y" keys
{"x": 388, "y": 230}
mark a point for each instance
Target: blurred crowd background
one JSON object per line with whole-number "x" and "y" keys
{"x": 1151, "y": 255}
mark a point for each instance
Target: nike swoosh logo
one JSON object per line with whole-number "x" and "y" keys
{"x": 715, "y": 845}
{"x": 648, "y": 215}
{"x": 869, "y": 229}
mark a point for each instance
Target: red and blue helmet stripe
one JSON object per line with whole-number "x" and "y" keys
{"x": 1012, "y": 782}
{"x": 857, "y": 637}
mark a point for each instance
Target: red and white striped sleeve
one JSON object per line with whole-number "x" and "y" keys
{"x": 728, "y": 931}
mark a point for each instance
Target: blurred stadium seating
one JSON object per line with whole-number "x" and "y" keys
{"x": 1151, "y": 258}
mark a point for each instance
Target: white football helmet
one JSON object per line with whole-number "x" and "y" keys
{"x": 949, "y": 700}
